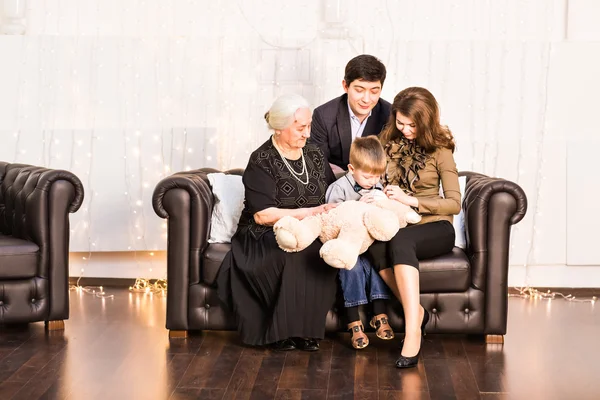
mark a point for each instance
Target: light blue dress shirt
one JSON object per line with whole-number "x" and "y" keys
{"x": 356, "y": 125}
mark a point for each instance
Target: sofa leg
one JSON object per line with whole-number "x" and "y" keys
{"x": 58, "y": 325}
{"x": 494, "y": 339}
{"x": 173, "y": 334}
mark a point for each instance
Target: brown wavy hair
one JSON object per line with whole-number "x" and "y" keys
{"x": 419, "y": 105}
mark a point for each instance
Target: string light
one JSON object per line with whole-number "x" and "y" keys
{"x": 96, "y": 291}
{"x": 531, "y": 293}
{"x": 502, "y": 87}
{"x": 267, "y": 42}
{"x": 484, "y": 106}
{"x": 472, "y": 112}
{"x": 522, "y": 84}
{"x": 142, "y": 285}
{"x": 20, "y": 99}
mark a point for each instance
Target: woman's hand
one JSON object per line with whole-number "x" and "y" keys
{"x": 396, "y": 193}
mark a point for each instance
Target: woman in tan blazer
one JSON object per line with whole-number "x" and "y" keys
{"x": 419, "y": 158}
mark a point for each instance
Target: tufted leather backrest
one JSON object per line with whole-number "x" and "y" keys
{"x": 24, "y": 191}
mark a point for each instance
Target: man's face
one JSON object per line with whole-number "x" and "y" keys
{"x": 362, "y": 96}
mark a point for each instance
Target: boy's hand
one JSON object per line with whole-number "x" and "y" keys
{"x": 368, "y": 198}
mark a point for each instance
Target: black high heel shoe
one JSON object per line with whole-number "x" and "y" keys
{"x": 409, "y": 362}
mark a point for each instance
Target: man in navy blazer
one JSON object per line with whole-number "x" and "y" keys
{"x": 359, "y": 112}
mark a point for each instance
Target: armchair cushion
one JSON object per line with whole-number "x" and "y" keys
{"x": 447, "y": 273}
{"x": 18, "y": 258}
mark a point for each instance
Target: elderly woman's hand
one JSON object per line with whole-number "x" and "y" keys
{"x": 323, "y": 208}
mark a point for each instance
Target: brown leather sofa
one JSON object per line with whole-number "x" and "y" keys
{"x": 465, "y": 291}
{"x": 35, "y": 204}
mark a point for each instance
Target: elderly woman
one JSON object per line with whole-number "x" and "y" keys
{"x": 280, "y": 298}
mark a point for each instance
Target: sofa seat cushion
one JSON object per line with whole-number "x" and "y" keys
{"x": 447, "y": 273}
{"x": 18, "y": 258}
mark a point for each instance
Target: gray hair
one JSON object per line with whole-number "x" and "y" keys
{"x": 281, "y": 114}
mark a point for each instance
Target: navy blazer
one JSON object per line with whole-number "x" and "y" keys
{"x": 331, "y": 129}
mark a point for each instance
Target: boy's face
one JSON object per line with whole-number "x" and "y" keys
{"x": 365, "y": 179}
{"x": 362, "y": 96}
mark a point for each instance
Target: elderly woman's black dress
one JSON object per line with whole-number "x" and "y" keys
{"x": 274, "y": 294}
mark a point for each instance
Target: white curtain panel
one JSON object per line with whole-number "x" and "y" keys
{"x": 125, "y": 92}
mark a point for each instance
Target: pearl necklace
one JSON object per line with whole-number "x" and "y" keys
{"x": 295, "y": 174}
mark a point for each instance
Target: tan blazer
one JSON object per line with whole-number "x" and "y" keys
{"x": 440, "y": 168}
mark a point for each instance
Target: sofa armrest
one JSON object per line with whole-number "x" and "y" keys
{"x": 491, "y": 206}
{"x": 35, "y": 203}
{"x": 185, "y": 199}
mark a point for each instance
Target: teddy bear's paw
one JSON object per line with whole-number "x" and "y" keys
{"x": 286, "y": 233}
{"x": 293, "y": 235}
{"x": 339, "y": 254}
{"x": 381, "y": 224}
{"x": 412, "y": 217}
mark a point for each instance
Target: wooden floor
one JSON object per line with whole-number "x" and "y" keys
{"x": 119, "y": 349}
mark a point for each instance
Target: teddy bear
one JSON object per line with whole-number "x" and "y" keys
{"x": 347, "y": 230}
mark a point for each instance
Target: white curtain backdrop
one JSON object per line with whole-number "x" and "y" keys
{"x": 125, "y": 92}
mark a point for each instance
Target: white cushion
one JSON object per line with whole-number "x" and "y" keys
{"x": 459, "y": 220}
{"x": 228, "y": 193}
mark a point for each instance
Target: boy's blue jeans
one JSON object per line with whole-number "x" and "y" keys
{"x": 362, "y": 284}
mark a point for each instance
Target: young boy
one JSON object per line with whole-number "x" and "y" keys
{"x": 362, "y": 283}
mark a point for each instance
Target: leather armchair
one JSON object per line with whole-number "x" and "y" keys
{"x": 35, "y": 204}
{"x": 465, "y": 291}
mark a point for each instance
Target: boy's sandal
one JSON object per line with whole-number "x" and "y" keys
{"x": 359, "y": 339}
{"x": 383, "y": 329}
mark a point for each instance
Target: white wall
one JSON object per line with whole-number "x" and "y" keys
{"x": 125, "y": 92}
